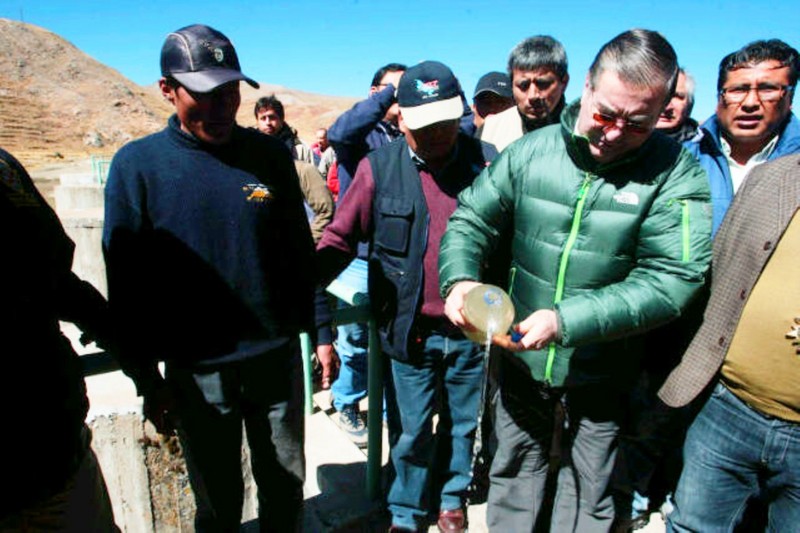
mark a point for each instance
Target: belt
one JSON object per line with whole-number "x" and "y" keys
{"x": 426, "y": 325}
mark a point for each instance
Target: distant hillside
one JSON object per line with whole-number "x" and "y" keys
{"x": 54, "y": 99}
{"x": 57, "y": 104}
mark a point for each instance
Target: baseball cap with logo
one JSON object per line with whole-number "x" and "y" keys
{"x": 201, "y": 59}
{"x": 429, "y": 93}
{"x": 494, "y": 82}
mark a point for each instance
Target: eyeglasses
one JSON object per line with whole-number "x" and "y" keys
{"x": 766, "y": 92}
{"x": 609, "y": 121}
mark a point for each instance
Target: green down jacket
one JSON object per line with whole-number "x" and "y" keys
{"x": 615, "y": 249}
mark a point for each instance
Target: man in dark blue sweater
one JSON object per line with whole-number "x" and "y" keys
{"x": 209, "y": 259}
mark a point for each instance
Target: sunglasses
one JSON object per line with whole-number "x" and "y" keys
{"x": 609, "y": 121}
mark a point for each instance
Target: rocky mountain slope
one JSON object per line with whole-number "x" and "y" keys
{"x": 59, "y": 105}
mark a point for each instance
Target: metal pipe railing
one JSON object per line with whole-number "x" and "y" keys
{"x": 360, "y": 312}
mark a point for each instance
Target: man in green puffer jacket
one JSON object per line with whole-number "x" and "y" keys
{"x": 611, "y": 229}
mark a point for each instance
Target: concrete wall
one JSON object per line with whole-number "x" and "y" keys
{"x": 146, "y": 476}
{"x": 79, "y": 205}
{"x": 85, "y": 228}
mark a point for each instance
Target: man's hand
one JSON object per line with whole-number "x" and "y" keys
{"x": 454, "y": 304}
{"x": 159, "y": 409}
{"x": 538, "y": 330}
{"x": 330, "y": 362}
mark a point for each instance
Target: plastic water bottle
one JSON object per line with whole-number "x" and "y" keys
{"x": 489, "y": 310}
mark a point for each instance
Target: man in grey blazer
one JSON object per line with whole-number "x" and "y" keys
{"x": 745, "y": 442}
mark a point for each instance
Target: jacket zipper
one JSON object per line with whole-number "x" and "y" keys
{"x": 562, "y": 268}
{"x": 685, "y": 232}
{"x": 685, "y": 240}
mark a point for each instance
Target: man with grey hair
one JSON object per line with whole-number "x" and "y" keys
{"x": 538, "y": 70}
{"x": 610, "y": 237}
{"x": 675, "y": 121}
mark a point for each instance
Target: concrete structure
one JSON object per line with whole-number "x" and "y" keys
{"x": 79, "y": 204}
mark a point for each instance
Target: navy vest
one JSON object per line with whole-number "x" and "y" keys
{"x": 400, "y": 236}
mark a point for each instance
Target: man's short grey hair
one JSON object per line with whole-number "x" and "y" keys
{"x": 690, "y": 87}
{"x": 539, "y": 51}
{"x": 641, "y": 58}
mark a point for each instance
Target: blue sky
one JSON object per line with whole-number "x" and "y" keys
{"x": 334, "y": 46}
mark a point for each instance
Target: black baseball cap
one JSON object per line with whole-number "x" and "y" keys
{"x": 201, "y": 59}
{"x": 494, "y": 82}
{"x": 429, "y": 93}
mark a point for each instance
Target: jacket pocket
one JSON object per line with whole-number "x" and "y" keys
{"x": 393, "y": 224}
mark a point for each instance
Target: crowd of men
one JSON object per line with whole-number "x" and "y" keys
{"x": 651, "y": 261}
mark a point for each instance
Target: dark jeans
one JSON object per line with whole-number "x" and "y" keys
{"x": 448, "y": 375}
{"x": 732, "y": 454}
{"x": 266, "y": 393}
{"x": 524, "y": 423}
{"x": 649, "y": 457}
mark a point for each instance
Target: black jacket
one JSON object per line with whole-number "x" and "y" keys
{"x": 400, "y": 221}
{"x": 42, "y": 393}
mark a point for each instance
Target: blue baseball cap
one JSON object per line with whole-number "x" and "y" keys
{"x": 429, "y": 93}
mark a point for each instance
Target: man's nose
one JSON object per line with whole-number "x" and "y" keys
{"x": 751, "y": 100}
{"x": 612, "y": 133}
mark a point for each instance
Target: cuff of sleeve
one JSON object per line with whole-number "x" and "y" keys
{"x": 446, "y": 286}
{"x": 324, "y": 335}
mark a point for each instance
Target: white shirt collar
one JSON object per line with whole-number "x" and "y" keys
{"x": 739, "y": 171}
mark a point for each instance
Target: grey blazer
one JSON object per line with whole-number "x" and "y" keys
{"x": 758, "y": 216}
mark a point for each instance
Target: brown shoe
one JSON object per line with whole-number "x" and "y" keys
{"x": 452, "y": 520}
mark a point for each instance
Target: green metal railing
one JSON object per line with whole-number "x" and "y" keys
{"x": 100, "y": 167}
{"x": 360, "y": 312}
{"x": 102, "y": 362}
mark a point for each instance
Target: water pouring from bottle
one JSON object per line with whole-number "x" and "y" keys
{"x": 489, "y": 310}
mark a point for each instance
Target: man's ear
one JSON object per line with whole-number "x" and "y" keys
{"x": 167, "y": 90}
{"x": 565, "y": 80}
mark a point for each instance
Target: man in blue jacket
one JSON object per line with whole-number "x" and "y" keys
{"x": 370, "y": 124}
{"x": 754, "y": 122}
